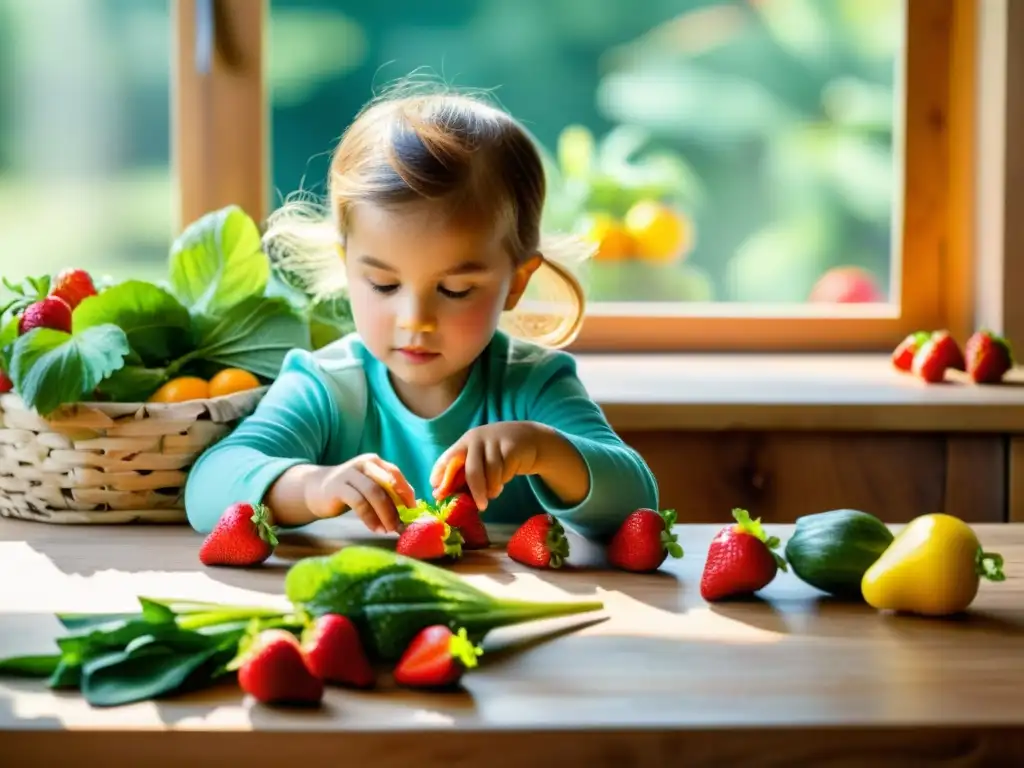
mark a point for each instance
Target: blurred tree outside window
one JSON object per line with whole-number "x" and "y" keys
{"x": 85, "y": 170}
{"x": 740, "y": 151}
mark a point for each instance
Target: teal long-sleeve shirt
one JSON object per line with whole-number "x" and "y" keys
{"x": 311, "y": 414}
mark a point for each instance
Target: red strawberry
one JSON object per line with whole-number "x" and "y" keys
{"x": 988, "y": 357}
{"x": 334, "y": 652}
{"x": 903, "y": 355}
{"x": 6, "y": 385}
{"x": 273, "y": 670}
{"x": 540, "y": 543}
{"x": 436, "y": 658}
{"x": 243, "y": 536}
{"x": 74, "y": 286}
{"x": 51, "y": 312}
{"x": 428, "y": 537}
{"x": 936, "y": 355}
{"x": 644, "y": 540}
{"x": 740, "y": 559}
{"x": 461, "y": 513}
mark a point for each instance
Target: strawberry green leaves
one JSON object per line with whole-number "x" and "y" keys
{"x": 51, "y": 367}
{"x": 753, "y": 527}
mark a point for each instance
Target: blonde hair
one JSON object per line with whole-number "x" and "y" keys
{"x": 454, "y": 152}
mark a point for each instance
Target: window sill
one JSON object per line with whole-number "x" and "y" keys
{"x": 856, "y": 392}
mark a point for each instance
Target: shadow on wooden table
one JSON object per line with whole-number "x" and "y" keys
{"x": 25, "y": 720}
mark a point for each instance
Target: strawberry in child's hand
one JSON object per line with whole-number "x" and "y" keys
{"x": 903, "y": 355}
{"x": 428, "y": 537}
{"x": 936, "y": 355}
{"x": 461, "y": 513}
{"x": 51, "y": 312}
{"x": 6, "y": 385}
{"x": 540, "y": 542}
{"x": 273, "y": 670}
{"x": 644, "y": 540}
{"x": 74, "y": 286}
{"x": 436, "y": 658}
{"x": 988, "y": 357}
{"x": 740, "y": 560}
{"x": 334, "y": 652}
{"x": 242, "y": 537}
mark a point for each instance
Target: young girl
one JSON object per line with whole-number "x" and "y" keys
{"x": 434, "y": 226}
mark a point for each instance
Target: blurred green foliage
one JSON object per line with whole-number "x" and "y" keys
{"x": 769, "y": 123}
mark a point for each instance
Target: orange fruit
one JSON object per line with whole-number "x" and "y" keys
{"x": 231, "y": 380}
{"x": 180, "y": 389}
{"x": 661, "y": 232}
{"x": 613, "y": 242}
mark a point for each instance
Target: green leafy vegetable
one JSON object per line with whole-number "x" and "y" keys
{"x": 50, "y": 368}
{"x": 132, "y": 383}
{"x": 30, "y": 666}
{"x": 391, "y": 597}
{"x": 217, "y": 262}
{"x": 255, "y": 335}
{"x": 157, "y": 325}
{"x": 171, "y": 646}
{"x": 167, "y": 647}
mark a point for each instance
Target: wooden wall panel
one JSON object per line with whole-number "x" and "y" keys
{"x": 783, "y": 475}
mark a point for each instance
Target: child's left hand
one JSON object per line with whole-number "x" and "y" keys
{"x": 493, "y": 454}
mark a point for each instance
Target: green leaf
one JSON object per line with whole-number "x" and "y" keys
{"x": 75, "y": 621}
{"x": 113, "y": 635}
{"x": 156, "y": 612}
{"x": 217, "y": 261}
{"x": 254, "y": 335}
{"x": 8, "y": 335}
{"x": 30, "y": 666}
{"x": 68, "y": 674}
{"x": 123, "y": 677}
{"x": 157, "y": 325}
{"x": 330, "y": 318}
{"x": 133, "y": 383}
{"x": 50, "y": 368}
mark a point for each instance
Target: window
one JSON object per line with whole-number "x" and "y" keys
{"x": 784, "y": 141}
{"x": 85, "y": 164}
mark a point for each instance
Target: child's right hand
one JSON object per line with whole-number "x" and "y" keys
{"x": 368, "y": 485}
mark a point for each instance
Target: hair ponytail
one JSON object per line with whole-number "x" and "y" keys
{"x": 302, "y": 239}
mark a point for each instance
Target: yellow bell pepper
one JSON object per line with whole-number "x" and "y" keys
{"x": 932, "y": 567}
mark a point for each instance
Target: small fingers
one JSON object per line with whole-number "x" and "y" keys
{"x": 354, "y": 500}
{"x": 399, "y": 489}
{"x": 476, "y": 475}
{"x": 382, "y": 508}
{"x": 449, "y": 473}
{"x": 495, "y": 468}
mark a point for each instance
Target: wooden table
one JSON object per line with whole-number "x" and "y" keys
{"x": 659, "y": 678}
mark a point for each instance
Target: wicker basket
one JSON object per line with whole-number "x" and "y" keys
{"x": 108, "y": 462}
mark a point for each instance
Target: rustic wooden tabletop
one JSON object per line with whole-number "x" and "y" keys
{"x": 658, "y": 678}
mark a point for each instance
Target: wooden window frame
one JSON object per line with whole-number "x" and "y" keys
{"x": 221, "y": 154}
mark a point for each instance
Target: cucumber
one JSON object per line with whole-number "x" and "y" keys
{"x": 832, "y": 550}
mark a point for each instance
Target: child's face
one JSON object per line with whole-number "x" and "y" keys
{"x": 426, "y": 295}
